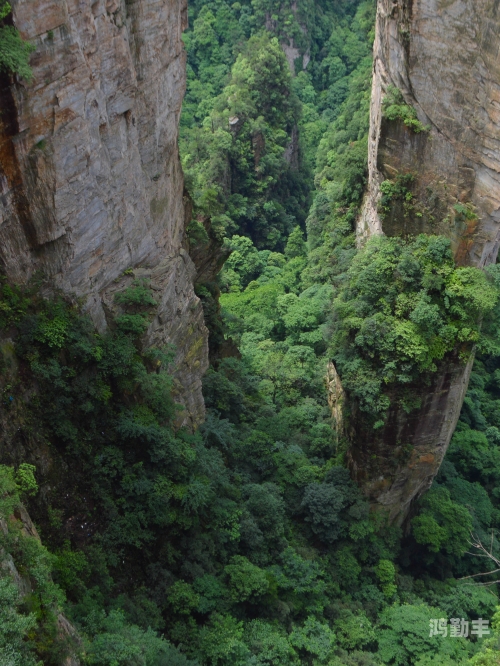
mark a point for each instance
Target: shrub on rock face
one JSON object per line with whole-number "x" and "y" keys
{"x": 405, "y": 305}
{"x": 14, "y": 51}
{"x": 395, "y": 108}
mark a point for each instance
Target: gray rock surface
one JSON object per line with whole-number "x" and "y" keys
{"x": 443, "y": 56}
{"x": 90, "y": 178}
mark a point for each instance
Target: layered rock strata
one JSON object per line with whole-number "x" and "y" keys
{"x": 443, "y": 57}
{"x": 90, "y": 178}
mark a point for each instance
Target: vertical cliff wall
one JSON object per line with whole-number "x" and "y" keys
{"x": 90, "y": 178}
{"x": 443, "y": 55}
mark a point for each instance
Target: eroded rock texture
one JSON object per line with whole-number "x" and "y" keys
{"x": 444, "y": 56}
{"x": 90, "y": 179}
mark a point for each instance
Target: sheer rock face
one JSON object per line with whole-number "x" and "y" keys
{"x": 443, "y": 56}
{"x": 90, "y": 178}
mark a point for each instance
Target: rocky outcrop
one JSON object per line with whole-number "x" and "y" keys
{"x": 90, "y": 178}
{"x": 397, "y": 463}
{"x": 443, "y": 57}
{"x": 68, "y": 639}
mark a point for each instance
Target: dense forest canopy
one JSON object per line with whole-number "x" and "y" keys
{"x": 246, "y": 543}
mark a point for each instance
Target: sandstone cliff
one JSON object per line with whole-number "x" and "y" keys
{"x": 443, "y": 56}
{"x": 90, "y": 179}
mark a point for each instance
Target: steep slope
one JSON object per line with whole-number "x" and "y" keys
{"x": 91, "y": 182}
{"x": 443, "y": 59}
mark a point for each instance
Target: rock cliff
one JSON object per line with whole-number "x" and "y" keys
{"x": 90, "y": 178}
{"x": 443, "y": 57}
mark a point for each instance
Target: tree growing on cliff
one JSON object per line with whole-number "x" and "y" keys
{"x": 14, "y": 51}
{"x": 405, "y": 306}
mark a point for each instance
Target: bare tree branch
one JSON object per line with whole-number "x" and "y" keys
{"x": 488, "y": 554}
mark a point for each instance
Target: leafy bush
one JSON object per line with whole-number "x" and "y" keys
{"x": 394, "y": 107}
{"x": 29, "y": 599}
{"x": 138, "y": 294}
{"x": 326, "y": 504}
{"x": 403, "y": 637}
{"x": 14, "y": 627}
{"x": 404, "y": 307}
{"x": 246, "y": 581}
{"x": 396, "y": 190}
{"x": 443, "y": 524}
{"x": 120, "y": 643}
{"x": 14, "y": 51}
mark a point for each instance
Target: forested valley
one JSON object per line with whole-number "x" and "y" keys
{"x": 246, "y": 543}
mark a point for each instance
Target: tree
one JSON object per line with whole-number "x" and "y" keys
{"x": 442, "y": 525}
{"x": 403, "y": 636}
{"x": 246, "y": 581}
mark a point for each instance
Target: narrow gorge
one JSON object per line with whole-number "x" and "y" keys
{"x": 249, "y": 348}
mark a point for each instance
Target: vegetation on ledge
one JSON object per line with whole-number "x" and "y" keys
{"x": 394, "y": 107}
{"x": 405, "y": 306}
{"x": 14, "y": 51}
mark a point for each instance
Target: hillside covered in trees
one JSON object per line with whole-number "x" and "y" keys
{"x": 246, "y": 543}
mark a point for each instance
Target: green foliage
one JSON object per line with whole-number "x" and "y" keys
{"x": 246, "y": 543}
{"x": 139, "y": 294}
{"x": 182, "y": 598}
{"x": 14, "y": 51}
{"x": 196, "y": 233}
{"x": 295, "y": 245}
{"x": 244, "y": 262}
{"x": 14, "y": 627}
{"x": 404, "y": 307}
{"x": 246, "y": 581}
{"x": 25, "y": 479}
{"x": 394, "y": 107}
{"x": 13, "y": 304}
{"x": 221, "y": 641}
{"x": 235, "y": 158}
{"x": 9, "y": 491}
{"x": 315, "y": 639}
{"x": 386, "y": 573}
{"x": 70, "y": 569}
{"x": 396, "y": 190}
{"x": 119, "y": 643}
{"x": 327, "y": 504}
{"x": 269, "y": 644}
{"x": 403, "y": 637}
{"x": 354, "y": 631}
{"x": 29, "y": 599}
{"x": 465, "y": 211}
{"x": 488, "y": 653}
